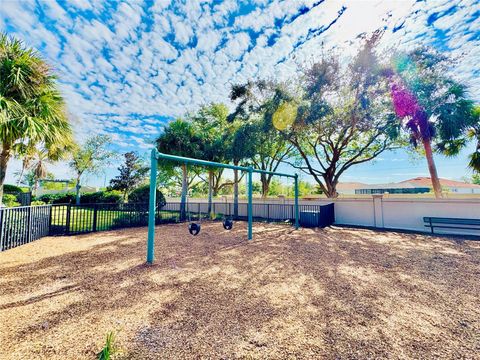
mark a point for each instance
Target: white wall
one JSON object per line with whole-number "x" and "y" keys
{"x": 384, "y": 212}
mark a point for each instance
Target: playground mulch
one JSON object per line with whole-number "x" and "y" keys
{"x": 336, "y": 293}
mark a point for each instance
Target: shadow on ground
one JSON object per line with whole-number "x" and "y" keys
{"x": 332, "y": 293}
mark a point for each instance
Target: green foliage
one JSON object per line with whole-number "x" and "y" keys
{"x": 344, "y": 116}
{"x": 12, "y": 188}
{"x": 59, "y": 198}
{"x": 37, "y": 203}
{"x": 99, "y": 197}
{"x": 142, "y": 195}
{"x": 256, "y": 140}
{"x": 476, "y": 178}
{"x": 32, "y": 110}
{"x": 106, "y": 197}
{"x": 93, "y": 156}
{"x": 10, "y": 200}
{"x": 132, "y": 172}
{"x": 110, "y": 349}
{"x": 178, "y": 138}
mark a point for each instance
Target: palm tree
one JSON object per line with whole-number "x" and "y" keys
{"x": 26, "y": 154}
{"x": 32, "y": 110}
{"x": 474, "y": 134}
{"x": 434, "y": 108}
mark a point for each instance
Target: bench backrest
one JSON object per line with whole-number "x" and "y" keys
{"x": 456, "y": 221}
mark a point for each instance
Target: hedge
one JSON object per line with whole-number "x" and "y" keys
{"x": 142, "y": 195}
{"x": 106, "y": 197}
{"x": 8, "y": 188}
{"x": 10, "y": 200}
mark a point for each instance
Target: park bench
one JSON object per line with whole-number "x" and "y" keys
{"x": 451, "y": 223}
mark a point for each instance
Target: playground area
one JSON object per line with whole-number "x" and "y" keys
{"x": 312, "y": 293}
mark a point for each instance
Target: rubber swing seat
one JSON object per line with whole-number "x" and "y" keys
{"x": 227, "y": 224}
{"x": 194, "y": 228}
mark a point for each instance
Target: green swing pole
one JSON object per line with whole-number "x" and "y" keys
{"x": 296, "y": 202}
{"x": 155, "y": 155}
{"x": 151, "y": 207}
{"x": 250, "y": 205}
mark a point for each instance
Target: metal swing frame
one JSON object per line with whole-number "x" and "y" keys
{"x": 156, "y": 155}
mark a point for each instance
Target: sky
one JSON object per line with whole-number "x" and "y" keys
{"x": 127, "y": 68}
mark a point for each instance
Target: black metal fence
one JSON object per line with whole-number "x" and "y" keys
{"x": 20, "y": 225}
{"x": 24, "y": 198}
{"x": 23, "y": 224}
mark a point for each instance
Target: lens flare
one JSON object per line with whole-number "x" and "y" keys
{"x": 284, "y": 116}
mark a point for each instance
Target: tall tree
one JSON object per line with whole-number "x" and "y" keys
{"x": 240, "y": 147}
{"x": 255, "y": 104}
{"x": 211, "y": 125}
{"x": 434, "y": 108}
{"x": 37, "y": 159}
{"x": 179, "y": 138}
{"x": 343, "y": 116}
{"x": 91, "y": 158}
{"x": 31, "y": 108}
{"x": 131, "y": 173}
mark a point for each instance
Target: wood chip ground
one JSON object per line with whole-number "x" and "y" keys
{"x": 335, "y": 293}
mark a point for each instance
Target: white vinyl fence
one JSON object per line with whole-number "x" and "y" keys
{"x": 386, "y": 212}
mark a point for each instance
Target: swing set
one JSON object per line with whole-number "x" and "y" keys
{"x": 194, "y": 228}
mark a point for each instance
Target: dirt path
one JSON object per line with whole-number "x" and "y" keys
{"x": 333, "y": 293}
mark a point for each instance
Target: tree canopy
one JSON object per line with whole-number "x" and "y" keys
{"x": 32, "y": 111}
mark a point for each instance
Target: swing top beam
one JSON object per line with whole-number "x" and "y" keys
{"x": 187, "y": 160}
{"x": 156, "y": 155}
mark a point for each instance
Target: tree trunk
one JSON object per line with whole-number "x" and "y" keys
{"x": 4, "y": 157}
{"x": 210, "y": 192}
{"x": 235, "y": 191}
{"x": 437, "y": 187}
{"x": 35, "y": 187}
{"x": 20, "y": 177}
{"x": 183, "y": 200}
{"x": 265, "y": 185}
{"x": 77, "y": 196}
{"x": 330, "y": 188}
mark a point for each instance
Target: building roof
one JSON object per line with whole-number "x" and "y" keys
{"x": 343, "y": 186}
{"x": 424, "y": 181}
{"x": 402, "y": 185}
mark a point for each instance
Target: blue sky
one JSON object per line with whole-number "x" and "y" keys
{"x": 126, "y": 68}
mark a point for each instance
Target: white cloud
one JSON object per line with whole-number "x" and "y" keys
{"x": 144, "y": 61}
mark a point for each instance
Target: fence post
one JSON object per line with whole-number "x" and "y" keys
{"x": 50, "y": 218}
{"x": 2, "y": 211}
{"x": 67, "y": 219}
{"x": 29, "y": 221}
{"x": 94, "y": 226}
{"x": 378, "y": 210}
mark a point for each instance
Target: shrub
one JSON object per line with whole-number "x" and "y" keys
{"x": 142, "y": 195}
{"x": 7, "y": 188}
{"x": 10, "y": 200}
{"x": 61, "y": 198}
{"x": 37, "y": 203}
{"x": 106, "y": 197}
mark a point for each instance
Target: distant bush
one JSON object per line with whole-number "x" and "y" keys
{"x": 7, "y": 188}
{"x": 10, "y": 200}
{"x": 142, "y": 195}
{"x": 37, "y": 203}
{"x": 107, "y": 197}
{"x": 62, "y": 198}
